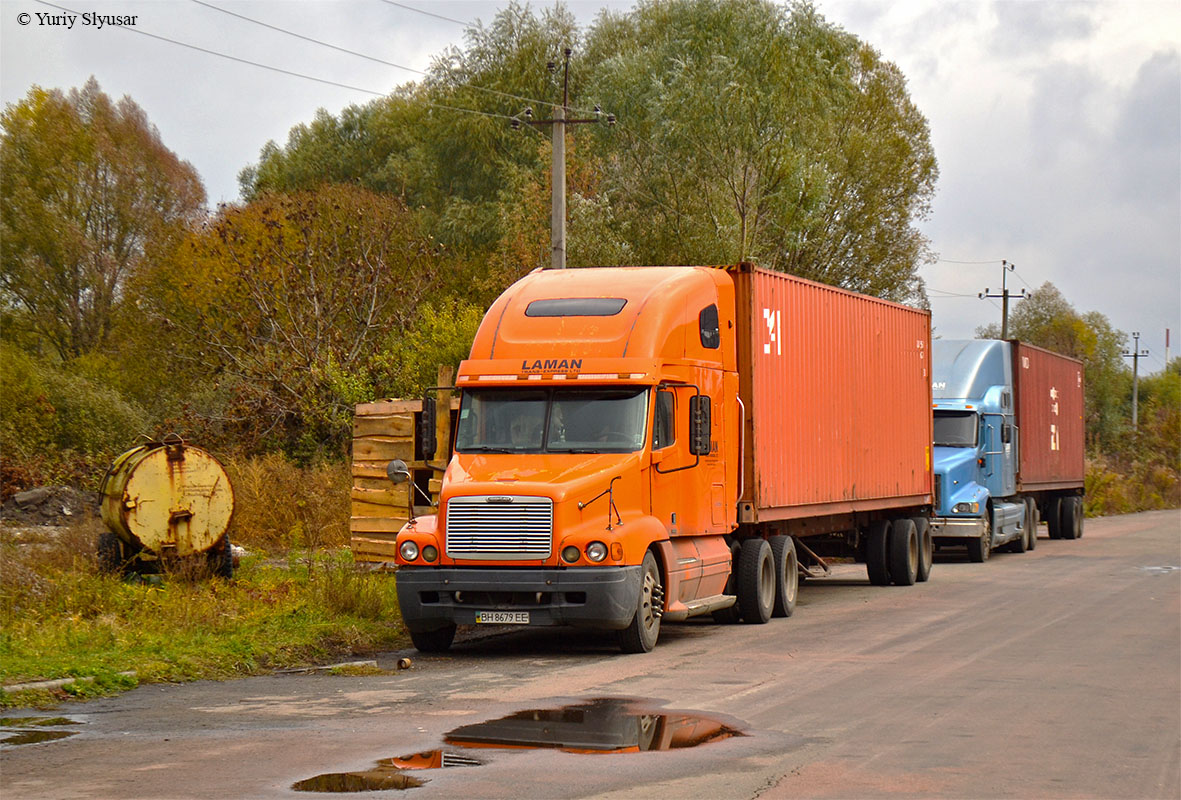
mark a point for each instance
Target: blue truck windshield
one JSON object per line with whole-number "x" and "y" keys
{"x": 955, "y": 429}
{"x": 582, "y": 420}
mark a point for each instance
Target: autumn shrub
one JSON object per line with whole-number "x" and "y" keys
{"x": 1120, "y": 486}
{"x": 280, "y": 506}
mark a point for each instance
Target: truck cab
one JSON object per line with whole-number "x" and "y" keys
{"x": 976, "y": 448}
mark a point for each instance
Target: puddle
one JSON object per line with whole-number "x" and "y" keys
{"x": 18, "y": 733}
{"x": 36, "y": 737}
{"x": 597, "y": 726}
{"x": 1164, "y": 570}
{"x": 605, "y": 725}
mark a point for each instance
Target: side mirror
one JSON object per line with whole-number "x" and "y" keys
{"x": 427, "y": 438}
{"x": 699, "y": 425}
{"x": 397, "y": 471}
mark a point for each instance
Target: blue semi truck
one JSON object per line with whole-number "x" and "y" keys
{"x": 1009, "y": 444}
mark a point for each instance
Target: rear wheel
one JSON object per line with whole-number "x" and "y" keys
{"x": 926, "y": 547}
{"x": 1072, "y": 518}
{"x": 756, "y": 581}
{"x": 730, "y": 614}
{"x": 1032, "y": 521}
{"x": 641, "y": 634}
{"x": 876, "y": 563}
{"x": 787, "y": 575}
{"x": 1054, "y": 517}
{"x": 436, "y": 641}
{"x": 904, "y": 552}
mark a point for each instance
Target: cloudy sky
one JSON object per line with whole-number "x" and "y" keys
{"x": 1057, "y": 125}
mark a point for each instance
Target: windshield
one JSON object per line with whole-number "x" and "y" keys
{"x": 955, "y": 429}
{"x": 584, "y": 420}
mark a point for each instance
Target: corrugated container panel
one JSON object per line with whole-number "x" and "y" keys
{"x": 1049, "y": 397}
{"x": 837, "y": 395}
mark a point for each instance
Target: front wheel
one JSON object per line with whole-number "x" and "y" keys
{"x": 436, "y": 641}
{"x": 641, "y": 633}
{"x": 980, "y": 549}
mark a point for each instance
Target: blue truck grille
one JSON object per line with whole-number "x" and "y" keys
{"x": 500, "y": 528}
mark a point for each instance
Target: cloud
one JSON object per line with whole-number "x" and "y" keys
{"x": 1028, "y": 28}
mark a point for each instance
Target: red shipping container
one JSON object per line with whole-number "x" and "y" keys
{"x": 1048, "y": 388}
{"x": 837, "y": 394}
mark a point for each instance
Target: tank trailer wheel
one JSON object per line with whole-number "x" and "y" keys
{"x": 926, "y": 548}
{"x": 221, "y": 559}
{"x": 110, "y": 554}
{"x": 756, "y": 581}
{"x": 904, "y": 552}
{"x": 641, "y": 633}
{"x": 787, "y": 575}
{"x": 437, "y": 641}
{"x": 876, "y": 556}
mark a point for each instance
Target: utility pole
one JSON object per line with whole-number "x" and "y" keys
{"x": 1135, "y": 355}
{"x": 1006, "y": 268}
{"x": 558, "y": 171}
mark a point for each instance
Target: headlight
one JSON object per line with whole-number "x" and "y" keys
{"x": 570, "y": 554}
{"x": 430, "y": 553}
{"x": 596, "y": 551}
{"x": 966, "y": 508}
{"x": 408, "y": 551}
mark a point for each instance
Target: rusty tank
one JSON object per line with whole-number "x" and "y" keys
{"x": 166, "y": 500}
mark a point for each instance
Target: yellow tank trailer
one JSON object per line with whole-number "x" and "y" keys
{"x": 163, "y": 501}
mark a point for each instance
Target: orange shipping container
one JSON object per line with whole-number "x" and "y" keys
{"x": 837, "y": 394}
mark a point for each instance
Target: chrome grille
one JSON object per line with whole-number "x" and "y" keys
{"x": 500, "y": 527}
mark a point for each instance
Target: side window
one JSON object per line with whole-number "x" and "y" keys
{"x": 663, "y": 432}
{"x": 707, "y": 321}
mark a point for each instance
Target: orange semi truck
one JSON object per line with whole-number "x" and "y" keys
{"x": 638, "y": 445}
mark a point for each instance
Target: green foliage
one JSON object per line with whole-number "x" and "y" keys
{"x": 408, "y": 365}
{"x": 75, "y": 622}
{"x": 87, "y": 192}
{"x": 57, "y": 426}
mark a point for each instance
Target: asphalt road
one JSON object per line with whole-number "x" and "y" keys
{"x": 1055, "y": 673}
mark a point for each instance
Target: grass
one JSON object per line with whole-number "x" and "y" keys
{"x": 61, "y": 617}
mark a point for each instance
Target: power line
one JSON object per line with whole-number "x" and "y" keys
{"x": 952, "y": 261}
{"x": 375, "y": 59}
{"x": 280, "y": 69}
{"x": 429, "y": 14}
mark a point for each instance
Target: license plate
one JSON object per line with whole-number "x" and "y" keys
{"x": 502, "y": 617}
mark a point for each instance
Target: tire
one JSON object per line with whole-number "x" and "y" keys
{"x": 787, "y": 575}
{"x": 756, "y": 581}
{"x": 642, "y": 632}
{"x": 1021, "y": 543}
{"x": 221, "y": 559}
{"x": 110, "y": 553}
{"x": 1054, "y": 517}
{"x": 980, "y": 549}
{"x": 926, "y": 548}
{"x": 876, "y": 563}
{"x": 437, "y": 641}
{"x": 1072, "y": 518}
{"x": 1033, "y": 520}
{"x": 903, "y": 544}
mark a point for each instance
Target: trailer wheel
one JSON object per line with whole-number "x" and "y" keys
{"x": 641, "y": 633}
{"x": 903, "y": 543}
{"x": 980, "y": 549}
{"x": 787, "y": 575}
{"x": 876, "y": 554}
{"x": 756, "y": 581}
{"x": 926, "y": 547}
{"x": 110, "y": 554}
{"x": 436, "y": 641}
{"x": 1072, "y": 518}
{"x": 221, "y": 558}
{"x": 1054, "y": 517}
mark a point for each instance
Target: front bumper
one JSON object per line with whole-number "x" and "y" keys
{"x": 957, "y": 527}
{"x": 594, "y": 597}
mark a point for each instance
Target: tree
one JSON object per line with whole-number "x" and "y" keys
{"x": 749, "y": 132}
{"x": 285, "y": 304}
{"x": 88, "y": 193}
